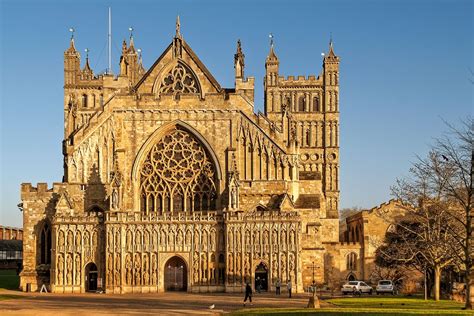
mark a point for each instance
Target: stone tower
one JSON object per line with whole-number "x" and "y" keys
{"x": 307, "y": 109}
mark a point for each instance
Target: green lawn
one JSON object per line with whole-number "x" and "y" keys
{"x": 371, "y": 306}
{"x": 9, "y": 280}
{"x": 412, "y": 303}
{"x": 8, "y": 297}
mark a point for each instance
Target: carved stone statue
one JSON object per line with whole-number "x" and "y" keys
{"x": 78, "y": 241}
{"x": 115, "y": 199}
{"x": 60, "y": 269}
{"x": 188, "y": 237}
{"x": 137, "y": 271}
{"x": 69, "y": 269}
{"x": 265, "y": 237}
{"x": 78, "y": 269}
{"x": 196, "y": 267}
{"x": 61, "y": 240}
{"x": 128, "y": 267}
{"x": 213, "y": 240}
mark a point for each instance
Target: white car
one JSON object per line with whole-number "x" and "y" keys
{"x": 356, "y": 287}
{"x": 385, "y": 286}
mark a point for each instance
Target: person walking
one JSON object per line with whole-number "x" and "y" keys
{"x": 248, "y": 293}
{"x": 278, "y": 285}
{"x": 288, "y": 286}
{"x": 258, "y": 284}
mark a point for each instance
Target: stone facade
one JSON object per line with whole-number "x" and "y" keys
{"x": 166, "y": 172}
{"x": 361, "y": 235}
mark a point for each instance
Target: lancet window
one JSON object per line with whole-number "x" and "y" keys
{"x": 351, "y": 263}
{"x": 177, "y": 176}
{"x": 45, "y": 244}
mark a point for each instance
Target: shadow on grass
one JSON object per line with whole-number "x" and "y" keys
{"x": 9, "y": 280}
{"x": 4, "y": 297}
{"x": 346, "y": 312}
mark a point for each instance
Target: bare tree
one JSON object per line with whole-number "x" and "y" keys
{"x": 440, "y": 191}
{"x": 455, "y": 164}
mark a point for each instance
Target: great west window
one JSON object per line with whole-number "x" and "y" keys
{"x": 177, "y": 176}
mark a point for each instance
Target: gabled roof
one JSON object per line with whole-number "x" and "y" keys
{"x": 64, "y": 201}
{"x": 167, "y": 53}
{"x": 308, "y": 201}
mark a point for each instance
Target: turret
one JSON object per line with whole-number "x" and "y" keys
{"x": 129, "y": 64}
{"x": 271, "y": 67}
{"x": 72, "y": 64}
{"x": 331, "y": 67}
{"x": 87, "y": 73}
{"x": 270, "y": 82}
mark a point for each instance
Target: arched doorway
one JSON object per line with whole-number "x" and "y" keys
{"x": 351, "y": 277}
{"x": 176, "y": 274}
{"x": 261, "y": 277}
{"x": 91, "y": 277}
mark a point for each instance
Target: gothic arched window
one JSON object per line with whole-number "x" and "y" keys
{"x": 301, "y": 103}
{"x": 351, "y": 263}
{"x": 177, "y": 176}
{"x": 45, "y": 244}
{"x": 316, "y": 107}
{"x": 84, "y": 100}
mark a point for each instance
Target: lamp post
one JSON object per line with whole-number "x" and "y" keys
{"x": 313, "y": 301}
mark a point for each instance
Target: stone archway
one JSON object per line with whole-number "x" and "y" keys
{"x": 175, "y": 274}
{"x": 351, "y": 277}
{"x": 261, "y": 277}
{"x": 91, "y": 275}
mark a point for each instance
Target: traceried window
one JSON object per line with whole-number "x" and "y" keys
{"x": 177, "y": 176}
{"x": 179, "y": 80}
{"x": 45, "y": 244}
{"x": 351, "y": 263}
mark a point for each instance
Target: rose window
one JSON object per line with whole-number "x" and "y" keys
{"x": 177, "y": 175}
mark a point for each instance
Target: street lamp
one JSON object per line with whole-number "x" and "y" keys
{"x": 313, "y": 301}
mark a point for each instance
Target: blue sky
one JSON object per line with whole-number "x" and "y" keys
{"x": 404, "y": 67}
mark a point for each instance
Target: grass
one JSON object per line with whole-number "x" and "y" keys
{"x": 371, "y": 306}
{"x": 9, "y": 280}
{"x": 412, "y": 303}
{"x": 8, "y": 297}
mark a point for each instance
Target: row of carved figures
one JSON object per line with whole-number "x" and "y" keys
{"x": 68, "y": 271}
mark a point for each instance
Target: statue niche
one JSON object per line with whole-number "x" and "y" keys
{"x": 177, "y": 176}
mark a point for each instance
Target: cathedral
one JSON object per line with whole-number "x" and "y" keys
{"x": 173, "y": 182}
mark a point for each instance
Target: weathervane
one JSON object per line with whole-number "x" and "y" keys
{"x": 130, "y": 29}
{"x": 87, "y": 52}
{"x": 271, "y": 39}
{"x": 71, "y": 29}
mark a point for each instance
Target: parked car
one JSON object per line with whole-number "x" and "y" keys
{"x": 385, "y": 286}
{"x": 356, "y": 287}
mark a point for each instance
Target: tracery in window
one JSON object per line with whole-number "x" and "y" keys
{"x": 351, "y": 263}
{"x": 179, "y": 80}
{"x": 177, "y": 175}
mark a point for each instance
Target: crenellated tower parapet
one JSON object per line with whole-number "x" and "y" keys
{"x": 306, "y": 109}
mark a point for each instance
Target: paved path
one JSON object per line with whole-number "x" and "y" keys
{"x": 159, "y": 304}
